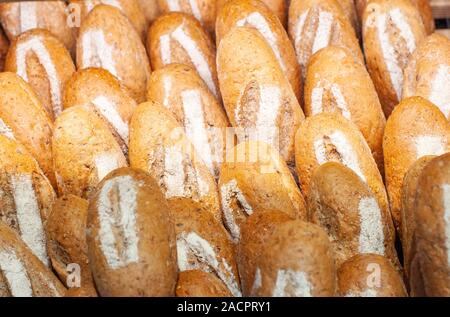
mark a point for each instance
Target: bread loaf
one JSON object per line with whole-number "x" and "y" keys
{"x": 24, "y": 119}
{"x": 163, "y": 150}
{"x": 315, "y": 24}
{"x": 108, "y": 40}
{"x": 432, "y": 227}
{"x": 370, "y": 275}
{"x": 416, "y": 128}
{"x": 84, "y": 151}
{"x": 254, "y": 177}
{"x": 257, "y": 96}
{"x": 130, "y": 238}
{"x": 43, "y": 61}
{"x": 179, "y": 88}
{"x": 67, "y": 248}
{"x": 344, "y": 206}
{"x": 328, "y": 89}
{"x": 180, "y": 38}
{"x": 278, "y": 7}
{"x": 253, "y": 13}
{"x": 102, "y": 93}
{"x": 392, "y": 29}
{"x": 26, "y": 196}
{"x": 17, "y": 17}
{"x": 22, "y": 274}
{"x": 427, "y": 73}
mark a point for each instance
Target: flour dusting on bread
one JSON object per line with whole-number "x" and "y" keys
{"x": 292, "y": 283}
{"x": 371, "y": 235}
{"x": 16, "y": 275}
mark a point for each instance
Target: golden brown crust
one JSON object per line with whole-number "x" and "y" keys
{"x": 349, "y": 8}
{"x": 255, "y": 232}
{"x": 342, "y": 204}
{"x": 427, "y": 73}
{"x": 79, "y": 292}
{"x": 328, "y": 89}
{"x": 415, "y": 128}
{"x": 257, "y": 96}
{"x": 4, "y": 46}
{"x": 66, "y": 231}
{"x": 330, "y": 137}
{"x": 30, "y": 276}
{"x": 195, "y": 283}
{"x": 179, "y": 38}
{"x": 150, "y": 9}
{"x": 20, "y": 16}
{"x": 163, "y": 150}
{"x": 103, "y": 94}
{"x": 253, "y": 13}
{"x": 179, "y": 88}
{"x": 315, "y": 24}
{"x": 107, "y": 39}
{"x": 253, "y": 178}
{"x": 136, "y": 257}
{"x": 26, "y": 120}
{"x": 84, "y": 151}
{"x": 392, "y": 29}
{"x": 44, "y": 62}
{"x": 370, "y": 275}
{"x": 432, "y": 226}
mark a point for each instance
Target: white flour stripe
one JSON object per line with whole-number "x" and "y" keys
{"x": 174, "y": 5}
{"x": 164, "y": 46}
{"x": 195, "y": 10}
{"x": 97, "y": 52}
{"x": 298, "y": 32}
{"x": 429, "y": 145}
{"x": 192, "y": 245}
{"x": 389, "y": 56}
{"x": 369, "y": 292}
{"x": 293, "y": 280}
{"x": 323, "y": 32}
{"x": 316, "y": 100}
{"x": 121, "y": 217}
{"x": 440, "y": 89}
{"x": 349, "y": 158}
{"x": 340, "y": 101}
{"x": 107, "y": 162}
{"x": 37, "y": 46}
{"x": 167, "y": 85}
{"x": 406, "y": 33}
{"x": 6, "y": 130}
{"x": 257, "y": 21}
{"x": 29, "y": 216}
{"x": 197, "y": 58}
{"x": 269, "y": 107}
{"x": 446, "y": 204}
{"x": 174, "y": 173}
{"x": 114, "y": 3}
{"x": 109, "y": 112}
{"x": 195, "y": 125}
{"x": 28, "y": 16}
{"x": 371, "y": 236}
{"x": 15, "y": 274}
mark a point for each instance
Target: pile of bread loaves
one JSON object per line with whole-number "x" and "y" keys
{"x": 224, "y": 148}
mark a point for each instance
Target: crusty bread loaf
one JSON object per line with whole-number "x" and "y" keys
{"x": 179, "y": 38}
{"x": 130, "y": 238}
{"x": 103, "y": 94}
{"x": 22, "y": 274}
{"x": 26, "y": 196}
{"x": 392, "y": 29}
{"x": 24, "y": 119}
{"x": 427, "y": 73}
{"x": 315, "y": 24}
{"x": 370, "y": 275}
{"x": 257, "y": 96}
{"x": 17, "y": 17}
{"x": 44, "y": 62}
{"x": 66, "y": 232}
{"x": 84, "y": 151}
{"x": 196, "y": 283}
{"x": 179, "y": 88}
{"x": 163, "y": 150}
{"x": 415, "y": 128}
{"x": 433, "y": 228}
{"x": 344, "y": 206}
{"x": 253, "y": 13}
{"x": 107, "y": 39}
{"x": 253, "y": 178}
{"x": 328, "y": 89}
